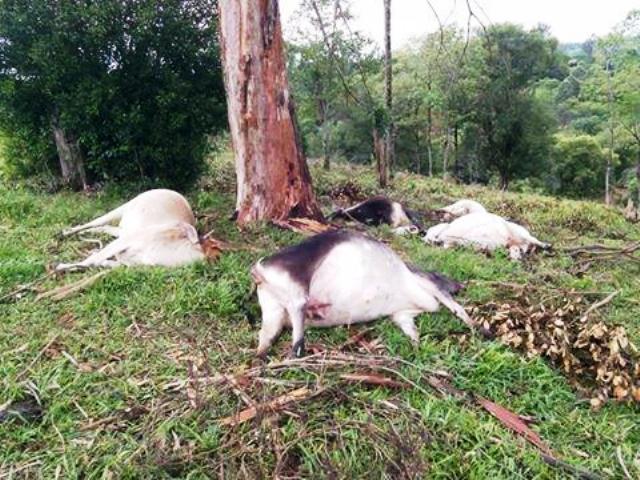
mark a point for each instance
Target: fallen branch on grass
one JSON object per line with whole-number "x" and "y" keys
{"x": 16, "y": 293}
{"x": 372, "y": 379}
{"x": 597, "y": 357}
{"x": 278, "y": 403}
{"x": 226, "y": 246}
{"x": 66, "y": 291}
{"x": 589, "y": 253}
{"x": 597, "y": 305}
{"x": 514, "y": 423}
{"x": 303, "y": 225}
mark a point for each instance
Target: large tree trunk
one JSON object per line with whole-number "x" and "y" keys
{"x": 272, "y": 174}
{"x": 70, "y": 156}
{"x": 388, "y": 97}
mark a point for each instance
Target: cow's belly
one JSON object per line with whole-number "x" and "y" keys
{"x": 359, "y": 286}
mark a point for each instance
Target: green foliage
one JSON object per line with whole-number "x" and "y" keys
{"x": 578, "y": 164}
{"x": 138, "y": 83}
{"x": 484, "y": 108}
{"x": 515, "y": 127}
{"x": 328, "y": 70}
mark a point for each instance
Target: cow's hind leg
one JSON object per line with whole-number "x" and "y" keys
{"x": 273, "y": 319}
{"x": 105, "y": 219}
{"x": 405, "y": 320}
{"x": 296, "y": 311}
{"x": 101, "y": 258}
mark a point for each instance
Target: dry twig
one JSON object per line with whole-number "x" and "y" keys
{"x": 247, "y": 414}
{"x": 26, "y": 287}
{"x": 66, "y": 291}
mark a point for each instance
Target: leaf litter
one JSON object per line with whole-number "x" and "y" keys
{"x": 597, "y": 357}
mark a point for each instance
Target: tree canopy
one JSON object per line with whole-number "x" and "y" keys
{"x": 498, "y": 104}
{"x": 136, "y": 84}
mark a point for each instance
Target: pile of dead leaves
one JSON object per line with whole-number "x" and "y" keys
{"x": 346, "y": 193}
{"x": 598, "y": 358}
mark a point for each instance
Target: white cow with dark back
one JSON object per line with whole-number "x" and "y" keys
{"x": 342, "y": 277}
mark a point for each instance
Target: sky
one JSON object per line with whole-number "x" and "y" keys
{"x": 570, "y": 20}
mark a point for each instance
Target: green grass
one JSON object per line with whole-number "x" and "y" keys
{"x": 119, "y": 412}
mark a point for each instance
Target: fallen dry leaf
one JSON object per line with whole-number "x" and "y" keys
{"x": 303, "y": 225}
{"x": 514, "y": 422}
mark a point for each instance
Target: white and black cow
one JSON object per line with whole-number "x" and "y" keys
{"x": 381, "y": 210}
{"x": 342, "y": 277}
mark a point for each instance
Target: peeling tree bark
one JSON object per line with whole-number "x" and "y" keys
{"x": 70, "y": 156}
{"x": 272, "y": 174}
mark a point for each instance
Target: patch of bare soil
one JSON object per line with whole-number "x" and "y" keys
{"x": 598, "y": 358}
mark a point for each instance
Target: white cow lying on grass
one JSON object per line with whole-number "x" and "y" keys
{"x": 460, "y": 208}
{"x": 155, "y": 228}
{"x": 483, "y": 230}
{"x": 341, "y": 277}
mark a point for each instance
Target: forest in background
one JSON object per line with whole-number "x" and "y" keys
{"x": 492, "y": 104}
{"x": 132, "y": 90}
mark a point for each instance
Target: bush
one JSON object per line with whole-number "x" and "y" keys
{"x": 136, "y": 82}
{"x": 579, "y": 166}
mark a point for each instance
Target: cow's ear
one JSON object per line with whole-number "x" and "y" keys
{"x": 191, "y": 233}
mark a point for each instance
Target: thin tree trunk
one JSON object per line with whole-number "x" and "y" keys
{"x": 388, "y": 90}
{"x": 272, "y": 173}
{"x": 324, "y": 133}
{"x": 429, "y": 130}
{"x": 607, "y": 180}
{"x": 637, "y": 188}
{"x": 69, "y": 155}
{"x": 322, "y": 102}
{"x": 379, "y": 148}
{"x": 326, "y": 158}
{"x": 446, "y": 152}
{"x": 416, "y": 151}
{"x": 456, "y": 166}
{"x": 504, "y": 182}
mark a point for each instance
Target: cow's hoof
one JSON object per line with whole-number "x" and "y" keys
{"x": 298, "y": 349}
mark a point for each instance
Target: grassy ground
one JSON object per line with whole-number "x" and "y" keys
{"x": 113, "y": 368}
